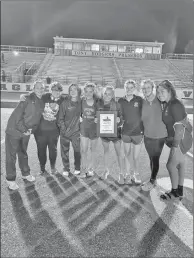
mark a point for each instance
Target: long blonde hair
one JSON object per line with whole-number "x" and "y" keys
{"x": 109, "y": 87}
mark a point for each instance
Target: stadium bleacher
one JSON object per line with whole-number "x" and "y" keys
{"x": 186, "y": 66}
{"x": 97, "y": 69}
{"x": 13, "y": 61}
{"x": 84, "y": 69}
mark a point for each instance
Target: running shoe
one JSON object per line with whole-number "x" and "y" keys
{"x": 29, "y": 178}
{"x": 12, "y": 185}
{"x": 136, "y": 178}
{"x": 148, "y": 186}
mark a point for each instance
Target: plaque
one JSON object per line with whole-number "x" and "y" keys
{"x": 107, "y": 123}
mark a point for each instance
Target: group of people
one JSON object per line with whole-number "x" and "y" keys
{"x": 158, "y": 118}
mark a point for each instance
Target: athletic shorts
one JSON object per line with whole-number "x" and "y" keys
{"x": 135, "y": 139}
{"x": 185, "y": 143}
{"x": 89, "y": 131}
{"x": 110, "y": 139}
{"x": 113, "y": 139}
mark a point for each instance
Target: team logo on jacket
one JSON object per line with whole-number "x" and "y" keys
{"x": 136, "y": 104}
{"x": 50, "y": 111}
{"x": 166, "y": 112}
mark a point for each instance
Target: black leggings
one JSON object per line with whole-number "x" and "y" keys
{"x": 154, "y": 149}
{"x": 44, "y": 140}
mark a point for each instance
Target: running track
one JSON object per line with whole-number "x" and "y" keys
{"x": 74, "y": 217}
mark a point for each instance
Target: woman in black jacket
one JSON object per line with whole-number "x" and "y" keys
{"x": 47, "y": 132}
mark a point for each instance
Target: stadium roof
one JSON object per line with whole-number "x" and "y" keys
{"x": 108, "y": 41}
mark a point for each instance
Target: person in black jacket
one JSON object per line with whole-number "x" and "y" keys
{"x": 22, "y": 122}
{"x": 69, "y": 124}
{"x": 47, "y": 133}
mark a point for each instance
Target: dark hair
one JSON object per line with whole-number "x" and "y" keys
{"x": 166, "y": 84}
{"x": 56, "y": 85}
{"x": 78, "y": 89}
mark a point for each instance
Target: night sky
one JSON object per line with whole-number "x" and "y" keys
{"x": 36, "y": 23}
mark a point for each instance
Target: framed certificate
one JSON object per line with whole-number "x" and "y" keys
{"x": 107, "y": 123}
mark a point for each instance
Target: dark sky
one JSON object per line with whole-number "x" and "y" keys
{"x": 35, "y": 23}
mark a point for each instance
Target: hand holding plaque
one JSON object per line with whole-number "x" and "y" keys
{"x": 107, "y": 123}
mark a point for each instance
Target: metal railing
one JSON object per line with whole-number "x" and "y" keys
{"x": 11, "y": 78}
{"x": 11, "y": 48}
{"x": 177, "y": 56}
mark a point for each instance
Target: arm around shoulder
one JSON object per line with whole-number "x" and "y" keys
{"x": 19, "y": 112}
{"x": 61, "y": 116}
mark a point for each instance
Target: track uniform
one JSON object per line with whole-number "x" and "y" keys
{"x": 112, "y": 106}
{"x": 132, "y": 130}
{"x": 174, "y": 112}
{"x": 88, "y": 128}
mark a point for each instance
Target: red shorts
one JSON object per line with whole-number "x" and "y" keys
{"x": 89, "y": 131}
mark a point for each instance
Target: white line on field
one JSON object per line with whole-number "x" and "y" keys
{"x": 2, "y": 141}
{"x": 190, "y": 154}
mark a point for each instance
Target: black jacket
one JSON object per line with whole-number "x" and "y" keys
{"x": 69, "y": 117}
{"x": 25, "y": 116}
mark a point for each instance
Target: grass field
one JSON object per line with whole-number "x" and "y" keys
{"x": 75, "y": 217}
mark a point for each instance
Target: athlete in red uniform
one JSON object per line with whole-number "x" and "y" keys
{"x": 88, "y": 130}
{"x": 132, "y": 131}
{"x": 179, "y": 137}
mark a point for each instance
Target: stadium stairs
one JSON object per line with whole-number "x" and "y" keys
{"x": 183, "y": 69}
{"x": 45, "y": 64}
{"x": 12, "y": 62}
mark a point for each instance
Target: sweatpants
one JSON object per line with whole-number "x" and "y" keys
{"x": 65, "y": 146}
{"x": 154, "y": 149}
{"x": 47, "y": 139}
{"x": 16, "y": 147}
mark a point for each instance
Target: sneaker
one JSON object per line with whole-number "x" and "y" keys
{"x": 105, "y": 174}
{"x": 65, "y": 173}
{"x": 76, "y": 172}
{"x": 90, "y": 172}
{"x": 29, "y": 178}
{"x": 121, "y": 180}
{"x": 82, "y": 175}
{"x": 54, "y": 171}
{"x": 43, "y": 171}
{"x": 12, "y": 185}
{"x": 148, "y": 186}
{"x": 170, "y": 196}
{"x": 128, "y": 180}
{"x": 136, "y": 178}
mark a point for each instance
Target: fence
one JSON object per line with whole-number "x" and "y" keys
{"x": 177, "y": 56}
{"x": 11, "y": 48}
